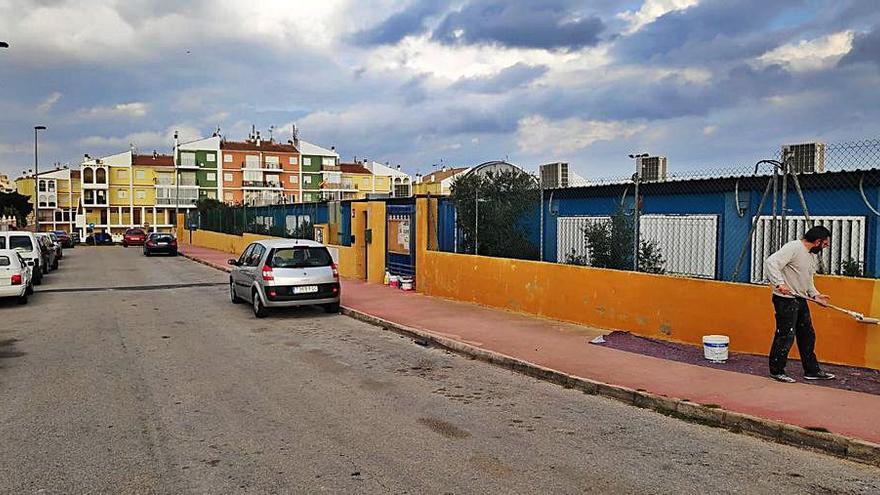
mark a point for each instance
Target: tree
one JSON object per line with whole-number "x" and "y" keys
{"x": 610, "y": 245}
{"x": 16, "y": 205}
{"x": 506, "y": 200}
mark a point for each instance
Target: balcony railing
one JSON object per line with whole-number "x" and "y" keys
{"x": 261, "y": 184}
{"x": 260, "y": 166}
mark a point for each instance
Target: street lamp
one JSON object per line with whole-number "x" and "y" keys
{"x": 637, "y": 178}
{"x": 36, "y": 181}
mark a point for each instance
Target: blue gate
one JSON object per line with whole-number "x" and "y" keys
{"x": 400, "y": 245}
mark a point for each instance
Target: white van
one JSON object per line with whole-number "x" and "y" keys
{"x": 28, "y": 247}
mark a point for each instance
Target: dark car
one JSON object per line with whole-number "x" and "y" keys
{"x": 99, "y": 239}
{"x": 74, "y": 238}
{"x": 134, "y": 237}
{"x": 64, "y": 238}
{"x": 159, "y": 242}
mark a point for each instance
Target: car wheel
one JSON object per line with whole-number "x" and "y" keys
{"x": 331, "y": 308}
{"x": 124, "y": 245}
{"x": 30, "y": 289}
{"x": 260, "y": 311}
{"x": 23, "y": 299}
{"x": 232, "y": 295}
{"x": 146, "y": 253}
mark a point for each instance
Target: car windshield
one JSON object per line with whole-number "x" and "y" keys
{"x": 21, "y": 242}
{"x": 301, "y": 257}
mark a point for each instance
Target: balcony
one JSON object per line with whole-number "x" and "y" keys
{"x": 260, "y": 184}
{"x": 258, "y": 166}
{"x": 168, "y": 195}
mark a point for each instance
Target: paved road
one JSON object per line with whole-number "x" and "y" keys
{"x": 175, "y": 390}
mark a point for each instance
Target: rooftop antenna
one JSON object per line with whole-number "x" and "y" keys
{"x": 271, "y": 133}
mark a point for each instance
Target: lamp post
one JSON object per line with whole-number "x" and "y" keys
{"x": 637, "y": 178}
{"x": 36, "y": 181}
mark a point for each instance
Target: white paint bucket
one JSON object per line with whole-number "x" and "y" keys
{"x": 715, "y": 347}
{"x": 406, "y": 283}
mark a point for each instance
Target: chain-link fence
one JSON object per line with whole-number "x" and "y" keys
{"x": 720, "y": 224}
{"x": 290, "y": 220}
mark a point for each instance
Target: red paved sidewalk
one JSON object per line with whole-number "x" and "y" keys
{"x": 565, "y": 347}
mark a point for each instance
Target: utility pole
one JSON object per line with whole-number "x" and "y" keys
{"x": 176, "y": 160}
{"x": 36, "y": 180}
{"x": 477, "y": 221}
{"x": 637, "y": 178}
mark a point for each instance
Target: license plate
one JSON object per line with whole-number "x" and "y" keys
{"x": 163, "y": 243}
{"x": 307, "y": 289}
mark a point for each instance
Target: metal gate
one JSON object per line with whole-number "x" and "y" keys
{"x": 400, "y": 246}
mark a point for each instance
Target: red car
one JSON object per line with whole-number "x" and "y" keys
{"x": 134, "y": 237}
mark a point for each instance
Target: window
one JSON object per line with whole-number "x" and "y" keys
{"x": 293, "y": 160}
{"x": 211, "y": 194}
{"x": 307, "y": 160}
{"x": 307, "y": 179}
{"x": 227, "y": 177}
{"x": 4, "y": 261}
{"x": 121, "y": 174}
{"x": 304, "y": 257}
{"x": 227, "y": 158}
{"x": 252, "y": 161}
{"x": 211, "y": 177}
{"x": 51, "y": 186}
{"x": 42, "y": 186}
{"x": 140, "y": 194}
{"x": 328, "y": 161}
{"x": 245, "y": 257}
{"x": 228, "y": 196}
{"x": 187, "y": 159}
{"x": 140, "y": 175}
{"x": 101, "y": 176}
{"x": 210, "y": 157}
{"x": 21, "y": 242}
{"x": 42, "y": 200}
{"x": 272, "y": 160}
{"x": 121, "y": 194}
{"x": 88, "y": 176}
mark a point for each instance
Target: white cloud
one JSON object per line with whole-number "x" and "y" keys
{"x": 709, "y": 130}
{"x": 132, "y": 110}
{"x": 536, "y": 134}
{"x": 49, "y": 102}
{"x": 144, "y": 141}
{"x": 809, "y": 55}
{"x": 651, "y": 10}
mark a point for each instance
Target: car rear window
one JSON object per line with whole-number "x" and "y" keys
{"x": 300, "y": 257}
{"x": 134, "y": 232}
{"x": 5, "y": 261}
{"x": 2, "y": 243}
{"x": 162, "y": 237}
{"x": 20, "y": 241}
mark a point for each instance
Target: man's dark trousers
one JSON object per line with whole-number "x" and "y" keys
{"x": 793, "y": 322}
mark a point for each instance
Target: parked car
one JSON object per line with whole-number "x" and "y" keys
{"x": 134, "y": 237}
{"x": 49, "y": 252}
{"x": 15, "y": 276}
{"x": 285, "y": 273}
{"x": 160, "y": 243}
{"x": 64, "y": 238}
{"x": 27, "y": 245}
{"x": 59, "y": 249}
{"x": 99, "y": 239}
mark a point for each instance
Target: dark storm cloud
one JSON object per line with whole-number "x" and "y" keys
{"x": 510, "y": 78}
{"x": 866, "y": 48}
{"x": 545, "y": 24}
{"x": 400, "y": 25}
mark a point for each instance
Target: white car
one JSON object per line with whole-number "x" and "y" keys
{"x": 28, "y": 246}
{"x": 15, "y": 276}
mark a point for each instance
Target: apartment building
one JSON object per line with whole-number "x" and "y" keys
{"x": 437, "y": 183}
{"x": 6, "y": 185}
{"x": 320, "y": 179}
{"x": 258, "y": 172}
{"x": 57, "y": 194}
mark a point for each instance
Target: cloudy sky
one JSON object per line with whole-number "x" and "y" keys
{"x": 708, "y": 83}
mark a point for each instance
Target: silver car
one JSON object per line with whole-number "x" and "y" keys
{"x": 284, "y": 273}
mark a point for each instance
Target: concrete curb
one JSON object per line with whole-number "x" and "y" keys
{"x": 203, "y": 262}
{"x": 826, "y": 442}
{"x": 830, "y": 443}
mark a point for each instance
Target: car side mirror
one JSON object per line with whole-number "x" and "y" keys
{"x": 232, "y": 262}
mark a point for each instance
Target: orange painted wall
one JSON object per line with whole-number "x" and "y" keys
{"x": 658, "y": 306}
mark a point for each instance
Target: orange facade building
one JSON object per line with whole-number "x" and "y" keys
{"x": 257, "y": 172}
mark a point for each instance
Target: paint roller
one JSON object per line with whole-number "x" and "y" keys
{"x": 853, "y": 314}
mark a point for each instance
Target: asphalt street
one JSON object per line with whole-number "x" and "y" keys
{"x": 127, "y": 374}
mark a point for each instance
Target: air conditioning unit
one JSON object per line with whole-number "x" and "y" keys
{"x": 652, "y": 168}
{"x": 554, "y": 175}
{"x": 805, "y": 158}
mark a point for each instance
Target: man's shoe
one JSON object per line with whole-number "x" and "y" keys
{"x": 820, "y": 376}
{"x": 782, "y": 377}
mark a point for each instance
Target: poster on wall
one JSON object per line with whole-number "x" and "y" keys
{"x": 398, "y": 234}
